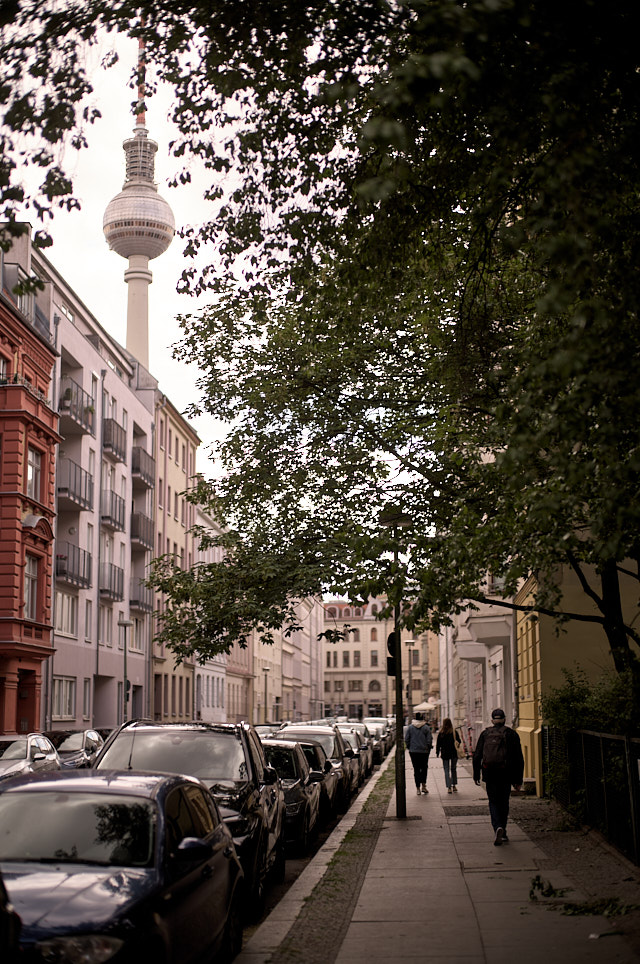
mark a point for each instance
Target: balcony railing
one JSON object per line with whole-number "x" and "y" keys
{"x": 112, "y": 510}
{"x": 13, "y": 275}
{"x": 114, "y": 439}
{"x": 76, "y": 407}
{"x": 111, "y": 581}
{"x": 13, "y": 378}
{"x": 141, "y": 531}
{"x": 143, "y": 468}
{"x": 73, "y": 565}
{"x": 75, "y": 485}
{"x": 140, "y": 596}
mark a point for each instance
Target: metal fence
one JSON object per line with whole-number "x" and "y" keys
{"x": 598, "y": 775}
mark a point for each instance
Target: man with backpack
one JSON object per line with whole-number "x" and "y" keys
{"x": 498, "y": 757}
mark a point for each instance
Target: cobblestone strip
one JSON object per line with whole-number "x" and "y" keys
{"x": 318, "y": 933}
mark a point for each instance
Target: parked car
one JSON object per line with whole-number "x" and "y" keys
{"x": 76, "y": 748}
{"x": 320, "y": 763}
{"x": 365, "y": 745}
{"x": 129, "y": 866}
{"x": 229, "y": 759}
{"x": 302, "y": 791}
{"x": 388, "y": 730}
{"x": 342, "y": 758}
{"x": 26, "y": 753}
{"x": 378, "y": 743}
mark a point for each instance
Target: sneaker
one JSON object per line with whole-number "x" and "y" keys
{"x": 449, "y": 790}
{"x": 418, "y": 791}
{"x": 505, "y": 839}
{"x": 454, "y": 788}
{"x": 499, "y": 837}
{"x": 424, "y": 788}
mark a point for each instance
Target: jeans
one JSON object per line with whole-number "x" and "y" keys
{"x": 499, "y": 794}
{"x": 450, "y": 772}
{"x": 420, "y": 764}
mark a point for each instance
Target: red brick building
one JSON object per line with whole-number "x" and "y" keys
{"x": 28, "y": 438}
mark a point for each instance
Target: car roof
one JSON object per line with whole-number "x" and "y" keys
{"x": 130, "y": 783}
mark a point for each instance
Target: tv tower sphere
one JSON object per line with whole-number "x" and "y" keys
{"x": 138, "y": 221}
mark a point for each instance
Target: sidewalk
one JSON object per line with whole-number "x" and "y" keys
{"x": 436, "y": 889}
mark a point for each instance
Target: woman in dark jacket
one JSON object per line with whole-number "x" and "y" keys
{"x": 447, "y": 749}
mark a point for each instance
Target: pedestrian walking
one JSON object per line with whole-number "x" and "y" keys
{"x": 447, "y": 745}
{"x": 419, "y": 740}
{"x": 498, "y": 758}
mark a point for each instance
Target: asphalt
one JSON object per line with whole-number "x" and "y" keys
{"x": 432, "y": 887}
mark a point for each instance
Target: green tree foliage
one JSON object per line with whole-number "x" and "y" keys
{"x": 422, "y": 296}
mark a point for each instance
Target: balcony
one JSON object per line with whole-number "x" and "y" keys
{"x": 73, "y": 565}
{"x": 76, "y": 408}
{"x": 140, "y": 596}
{"x": 114, "y": 440}
{"x": 75, "y": 486}
{"x": 143, "y": 469}
{"x": 142, "y": 531}
{"x": 111, "y": 581}
{"x": 112, "y": 510}
{"x": 14, "y": 276}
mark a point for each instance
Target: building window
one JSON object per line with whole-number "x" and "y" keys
{"x": 416, "y": 684}
{"x": 374, "y": 609}
{"x": 415, "y": 657}
{"x": 345, "y": 659}
{"x": 374, "y": 657}
{"x": 331, "y": 612}
{"x": 183, "y": 514}
{"x": 374, "y": 635}
{"x": 356, "y": 657}
{"x": 327, "y": 686}
{"x": 66, "y": 620}
{"x": 137, "y": 636}
{"x": 105, "y": 634}
{"x": 355, "y": 635}
{"x": 34, "y": 474}
{"x": 86, "y": 699}
{"x": 161, "y": 433}
{"x": 338, "y": 685}
{"x": 30, "y": 587}
{"x": 184, "y": 458}
{"x": 169, "y": 445}
{"x": 175, "y": 505}
{"x": 328, "y": 660}
{"x": 88, "y": 620}
{"x": 355, "y": 685}
{"x": 374, "y": 686}
{"x": 335, "y": 659}
{"x": 64, "y": 698}
{"x": 160, "y": 495}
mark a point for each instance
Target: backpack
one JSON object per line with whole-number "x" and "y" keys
{"x": 494, "y": 750}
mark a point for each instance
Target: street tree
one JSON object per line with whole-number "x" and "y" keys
{"x": 422, "y": 295}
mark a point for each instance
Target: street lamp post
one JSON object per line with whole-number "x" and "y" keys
{"x": 410, "y": 690}
{"x": 265, "y": 670}
{"x": 125, "y": 624}
{"x": 395, "y": 519}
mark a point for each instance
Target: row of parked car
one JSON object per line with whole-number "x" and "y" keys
{"x": 161, "y": 840}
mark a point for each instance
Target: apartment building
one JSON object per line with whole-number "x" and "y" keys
{"x": 211, "y": 675}
{"x": 28, "y": 437}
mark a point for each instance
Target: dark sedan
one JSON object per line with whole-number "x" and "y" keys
{"x": 342, "y": 757}
{"x": 320, "y": 763}
{"x": 301, "y": 791}
{"x": 76, "y": 748}
{"x": 126, "y": 867}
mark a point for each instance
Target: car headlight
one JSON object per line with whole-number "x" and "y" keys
{"x": 293, "y": 809}
{"x": 80, "y": 949}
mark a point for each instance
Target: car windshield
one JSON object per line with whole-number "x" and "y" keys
{"x": 13, "y": 749}
{"x": 282, "y": 759}
{"x": 325, "y": 739}
{"x": 54, "y": 826}
{"x": 211, "y": 756}
{"x": 66, "y": 742}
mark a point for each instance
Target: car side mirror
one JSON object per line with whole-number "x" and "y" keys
{"x": 193, "y": 850}
{"x": 328, "y": 766}
{"x": 349, "y": 752}
{"x": 270, "y": 776}
{"x": 316, "y": 776}
{"x": 37, "y": 754}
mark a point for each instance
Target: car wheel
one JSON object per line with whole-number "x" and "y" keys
{"x": 232, "y": 939}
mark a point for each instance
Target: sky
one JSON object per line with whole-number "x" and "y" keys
{"x": 82, "y": 255}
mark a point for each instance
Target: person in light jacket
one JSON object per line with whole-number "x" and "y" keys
{"x": 447, "y": 749}
{"x": 418, "y": 741}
